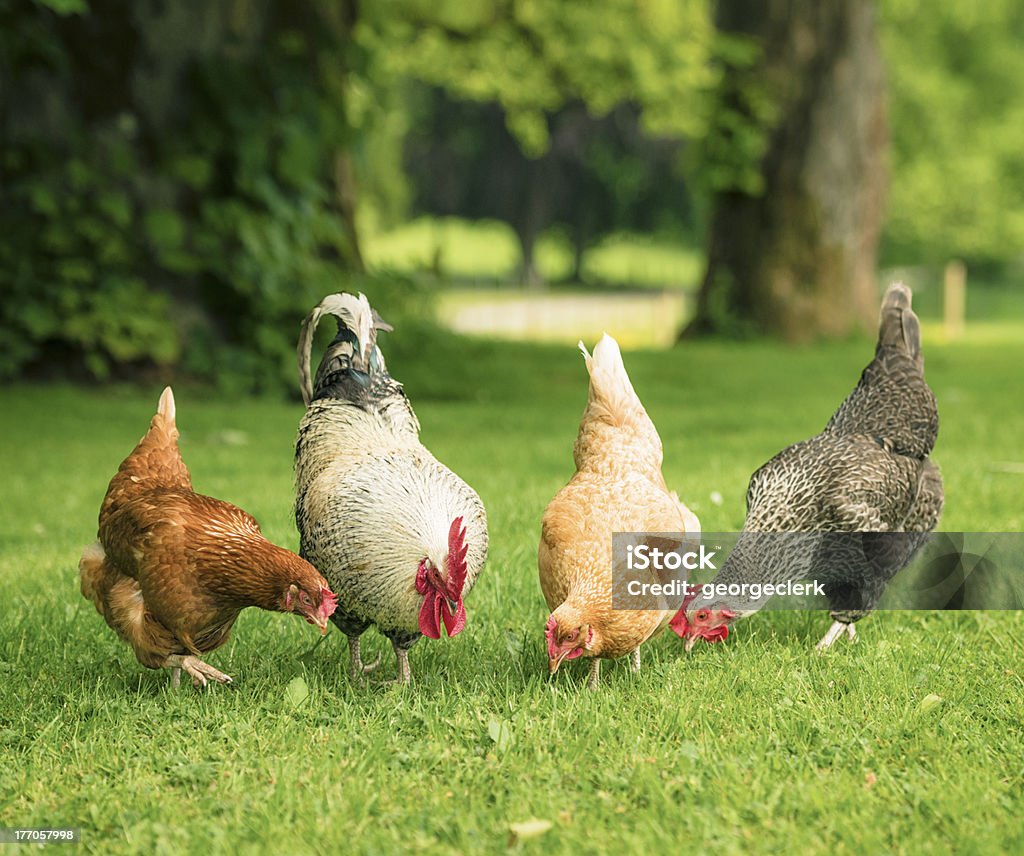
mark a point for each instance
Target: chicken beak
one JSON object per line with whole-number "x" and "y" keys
{"x": 320, "y": 620}
{"x": 690, "y": 642}
{"x": 555, "y": 662}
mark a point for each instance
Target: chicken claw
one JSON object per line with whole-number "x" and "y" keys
{"x": 834, "y": 632}
{"x": 199, "y": 671}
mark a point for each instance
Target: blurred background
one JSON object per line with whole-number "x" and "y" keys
{"x": 182, "y": 180}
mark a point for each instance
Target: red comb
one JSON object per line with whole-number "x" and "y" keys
{"x": 456, "y": 563}
{"x": 679, "y": 625}
{"x": 549, "y": 635}
{"x": 328, "y": 602}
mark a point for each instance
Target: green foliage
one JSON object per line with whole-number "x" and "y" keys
{"x": 728, "y": 156}
{"x": 65, "y": 7}
{"x": 265, "y": 234}
{"x": 533, "y": 57}
{"x": 72, "y": 269}
{"x": 957, "y": 120}
{"x": 191, "y": 230}
{"x": 562, "y": 75}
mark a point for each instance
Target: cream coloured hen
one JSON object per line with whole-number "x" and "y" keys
{"x": 617, "y": 487}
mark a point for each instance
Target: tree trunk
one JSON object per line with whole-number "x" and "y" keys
{"x": 531, "y": 218}
{"x": 529, "y": 275}
{"x": 346, "y": 195}
{"x": 797, "y": 260}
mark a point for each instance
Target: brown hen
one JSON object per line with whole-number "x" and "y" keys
{"x": 172, "y": 569}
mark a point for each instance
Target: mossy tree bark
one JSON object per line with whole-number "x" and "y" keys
{"x": 797, "y": 259}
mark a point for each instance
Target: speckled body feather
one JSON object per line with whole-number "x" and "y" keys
{"x": 172, "y": 569}
{"x": 868, "y": 472}
{"x": 618, "y": 487}
{"x": 371, "y": 501}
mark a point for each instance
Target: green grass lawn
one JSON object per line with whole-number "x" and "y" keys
{"x": 911, "y": 740}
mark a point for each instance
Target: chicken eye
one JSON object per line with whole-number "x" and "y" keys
{"x": 304, "y": 597}
{"x": 702, "y": 615}
{"x": 572, "y": 636}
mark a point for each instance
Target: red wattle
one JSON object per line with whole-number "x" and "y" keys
{"x": 718, "y": 634}
{"x": 453, "y": 623}
{"x": 430, "y": 616}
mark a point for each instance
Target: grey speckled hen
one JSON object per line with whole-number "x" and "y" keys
{"x": 865, "y": 486}
{"x": 400, "y": 537}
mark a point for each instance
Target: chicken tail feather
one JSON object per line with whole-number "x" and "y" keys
{"x": 163, "y": 429}
{"x": 165, "y": 407}
{"x": 898, "y": 326}
{"x": 154, "y": 462}
{"x": 610, "y": 385}
{"x": 354, "y": 347}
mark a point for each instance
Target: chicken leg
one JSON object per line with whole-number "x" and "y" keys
{"x": 634, "y": 660}
{"x": 358, "y": 667}
{"x": 199, "y": 671}
{"x": 594, "y": 681}
{"x": 404, "y": 672}
{"x": 834, "y": 632}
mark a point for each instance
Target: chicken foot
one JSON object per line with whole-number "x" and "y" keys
{"x": 358, "y": 667}
{"x": 199, "y": 671}
{"x": 834, "y": 632}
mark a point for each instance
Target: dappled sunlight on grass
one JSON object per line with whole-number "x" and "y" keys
{"x": 486, "y": 252}
{"x": 643, "y": 260}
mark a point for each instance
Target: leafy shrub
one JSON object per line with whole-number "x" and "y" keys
{"x": 190, "y": 230}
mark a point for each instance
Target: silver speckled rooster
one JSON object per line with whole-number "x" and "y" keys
{"x": 400, "y": 537}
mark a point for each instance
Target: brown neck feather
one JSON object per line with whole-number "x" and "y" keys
{"x": 253, "y": 572}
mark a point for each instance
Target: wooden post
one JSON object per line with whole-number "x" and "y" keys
{"x": 954, "y": 298}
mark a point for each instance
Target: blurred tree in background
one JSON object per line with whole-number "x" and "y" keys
{"x": 171, "y": 173}
{"x": 957, "y": 112}
{"x": 180, "y": 180}
{"x": 186, "y": 172}
{"x": 792, "y": 244}
{"x": 597, "y": 175}
{"x": 553, "y": 112}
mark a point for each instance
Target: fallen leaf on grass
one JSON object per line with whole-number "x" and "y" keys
{"x": 930, "y": 702}
{"x": 500, "y": 732}
{"x": 527, "y": 829}
{"x": 296, "y": 692}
